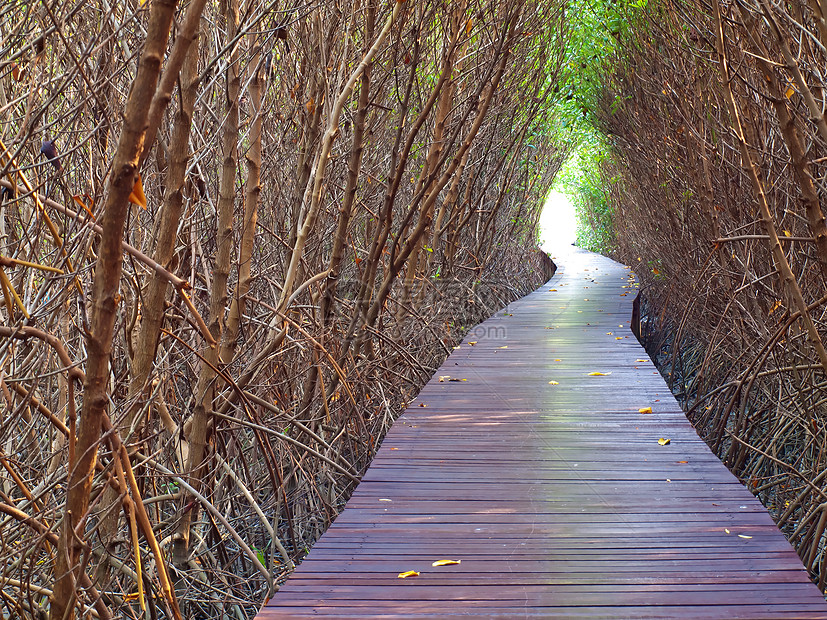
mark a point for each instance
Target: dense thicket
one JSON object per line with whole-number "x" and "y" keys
{"x": 714, "y": 117}
{"x": 235, "y": 238}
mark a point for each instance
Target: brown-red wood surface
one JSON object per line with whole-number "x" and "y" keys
{"x": 558, "y": 499}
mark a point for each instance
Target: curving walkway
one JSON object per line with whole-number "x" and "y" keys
{"x": 558, "y": 499}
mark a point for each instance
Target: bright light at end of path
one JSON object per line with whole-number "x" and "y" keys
{"x": 558, "y": 225}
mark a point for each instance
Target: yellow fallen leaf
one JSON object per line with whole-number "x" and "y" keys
{"x": 645, "y": 410}
{"x": 505, "y": 347}
{"x": 558, "y": 360}
{"x": 472, "y": 342}
{"x": 552, "y": 290}
{"x": 641, "y": 360}
{"x": 775, "y": 306}
{"x": 787, "y": 233}
{"x": 790, "y": 92}
{"x": 446, "y": 562}
{"x": 553, "y": 383}
{"x": 442, "y": 378}
{"x": 137, "y": 196}
{"x": 599, "y": 374}
{"x": 618, "y": 337}
{"x": 407, "y": 573}
{"x": 726, "y": 530}
{"x": 664, "y": 442}
{"x": 743, "y": 536}
{"x": 610, "y": 333}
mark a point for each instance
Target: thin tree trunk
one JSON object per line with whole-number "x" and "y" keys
{"x": 443, "y": 110}
{"x": 152, "y": 314}
{"x": 202, "y": 419}
{"x": 346, "y": 211}
{"x": 105, "y": 298}
{"x": 251, "y": 200}
{"x": 154, "y": 296}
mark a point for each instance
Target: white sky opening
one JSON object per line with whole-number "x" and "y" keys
{"x": 558, "y": 224}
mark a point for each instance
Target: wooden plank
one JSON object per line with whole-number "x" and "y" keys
{"x": 544, "y": 595}
{"x": 558, "y": 499}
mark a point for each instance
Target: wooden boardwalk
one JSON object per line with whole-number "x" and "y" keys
{"x": 558, "y": 499}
